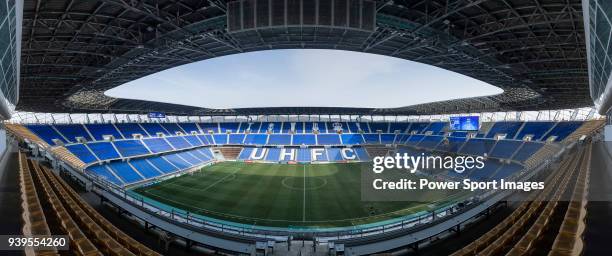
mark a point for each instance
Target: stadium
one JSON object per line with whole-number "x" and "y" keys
{"x": 524, "y": 171}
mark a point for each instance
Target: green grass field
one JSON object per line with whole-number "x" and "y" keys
{"x": 278, "y": 195}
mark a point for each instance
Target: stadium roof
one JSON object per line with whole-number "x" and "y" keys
{"x": 73, "y": 51}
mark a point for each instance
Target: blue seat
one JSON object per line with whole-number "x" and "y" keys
{"x": 209, "y": 127}
{"x": 177, "y": 161}
{"x": 129, "y": 148}
{"x": 350, "y": 127}
{"x": 378, "y": 126}
{"x": 279, "y": 139}
{"x": 81, "y": 151}
{"x": 371, "y": 138}
{"x": 255, "y": 139}
{"x": 145, "y": 168}
{"x": 365, "y": 127}
{"x": 322, "y": 127}
{"x": 189, "y": 127}
{"x": 300, "y": 127}
{"x": 46, "y": 133}
{"x": 334, "y": 154}
{"x": 304, "y": 139}
{"x": 206, "y": 139}
{"x": 308, "y": 127}
{"x": 477, "y": 147}
{"x": 273, "y": 154}
{"x": 72, "y": 131}
{"x": 172, "y": 128}
{"x": 387, "y": 138}
{"x": 207, "y": 152}
{"x": 245, "y": 154}
{"x": 178, "y": 142}
{"x": 99, "y": 130}
{"x": 220, "y": 139}
{"x": 430, "y": 141}
{"x": 414, "y": 139}
{"x": 319, "y": 158}
{"x": 102, "y": 171}
{"x": 527, "y": 150}
{"x": 157, "y": 145}
{"x": 129, "y": 129}
{"x": 563, "y": 129}
{"x": 435, "y": 127}
{"x": 537, "y": 129}
{"x": 328, "y": 139}
{"x": 198, "y": 153}
{"x": 125, "y": 171}
{"x": 104, "y": 150}
{"x": 505, "y": 148}
{"x": 362, "y": 154}
{"x": 352, "y": 139}
{"x": 417, "y": 127}
{"x": 193, "y": 140}
{"x": 162, "y": 164}
{"x": 401, "y": 127}
{"x": 230, "y": 126}
{"x": 303, "y": 155}
{"x": 192, "y": 160}
{"x": 154, "y": 128}
{"x": 236, "y": 139}
{"x": 508, "y": 128}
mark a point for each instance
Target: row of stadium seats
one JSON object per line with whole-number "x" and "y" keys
{"x": 121, "y": 149}
{"x": 504, "y": 149}
{"x": 88, "y": 231}
{"x": 518, "y": 233}
{"x": 304, "y": 154}
{"x": 70, "y": 133}
{"x": 140, "y": 169}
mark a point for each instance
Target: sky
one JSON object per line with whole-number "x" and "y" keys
{"x": 303, "y": 78}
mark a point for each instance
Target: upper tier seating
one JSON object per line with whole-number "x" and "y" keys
{"x": 536, "y": 129}
{"x": 189, "y": 127}
{"x": 47, "y": 133}
{"x": 371, "y": 138}
{"x": 508, "y": 128}
{"x": 154, "y": 128}
{"x": 304, "y": 139}
{"x": 129, "y": 148}
{"x": 72, "y": 131}
{"x": 236, "y": 139}
{"x": 178, "y": 142}
{"x": 279, "y": 139}
{"x": 130, "y": 129}
{"x": 562, "y": 130}
{"x": 505, "y": 148}
{"x": 104, "y": 150}
{"x": 255, "y": 139}
{"x": 328, "y": 139}
{"x": 352, "y": 139}
{"x": 220, "y": 139}
{"x": 527, "y": 150}
{"x": 173, "y": 128}
{"x": 82, "y": 152}
{"x": 157, "y": 145}
{"x": 430, "y": 141}
{"x": 99, "y": 130}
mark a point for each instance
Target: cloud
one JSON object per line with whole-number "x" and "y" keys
{"x": 305, "y": 78}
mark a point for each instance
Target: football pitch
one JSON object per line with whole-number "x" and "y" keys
{"x": 278, "y": 195}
